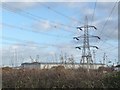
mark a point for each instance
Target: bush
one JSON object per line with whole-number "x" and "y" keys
{"x": 59, "y": 77}
{"x": 112, "y": 80}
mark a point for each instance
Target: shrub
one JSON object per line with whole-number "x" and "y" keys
{"x": 112, "y": 80}
{"x": 59, "y": 77}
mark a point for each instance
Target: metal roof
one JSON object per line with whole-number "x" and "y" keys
{"x": 36, "y": 63}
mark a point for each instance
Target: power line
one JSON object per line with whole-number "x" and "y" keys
{"x": 48, "y": 7}
{"x": 29, "y": 30}
{"x": 26, "y": 41}
{"x": 109, "y": 17}
{"x": 105, "y": 41}
{"x": 109, "y": 50}
{"x": 93, "y": 12}
{"x": 20, "y": 44}
{"x": 23, "y": 41}
{"x": 105, "y": 23}
{"x": 35, "y": 17}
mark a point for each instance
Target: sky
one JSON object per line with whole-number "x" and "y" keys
{"x": 47, "y": 29}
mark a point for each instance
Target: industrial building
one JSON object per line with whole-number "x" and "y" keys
{"x": 43, "y": 65}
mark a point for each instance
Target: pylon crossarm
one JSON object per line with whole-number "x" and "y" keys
{"x": 77, "y": 38}
{"x": 79, "y": 47}
{"x": 92, "y": 26}
{"x": 95, "y": 36}
{"x": 94, "y": 47}
{"x": 80, "y": 28}
{"x": 88, "y": 26}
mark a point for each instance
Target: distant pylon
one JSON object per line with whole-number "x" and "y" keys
{"x": 86, "y": 53}
{"x": 104, "y": 58}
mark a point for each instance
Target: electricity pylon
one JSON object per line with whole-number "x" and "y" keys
{"x": 86, "y": 53}
{"x": 34, "y": 60}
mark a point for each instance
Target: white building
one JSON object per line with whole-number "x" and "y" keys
{"x": 117, "y": 68}
{"x": 38, "y": 65}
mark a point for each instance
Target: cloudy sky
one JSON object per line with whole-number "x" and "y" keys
{"x": 47, "y": 29}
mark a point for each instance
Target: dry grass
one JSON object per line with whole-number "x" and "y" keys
{"x": 57, "y": 77}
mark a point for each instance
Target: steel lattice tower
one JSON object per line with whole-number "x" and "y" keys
{"x": 86, "y": 52}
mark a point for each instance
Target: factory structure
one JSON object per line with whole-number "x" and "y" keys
{"x": 38, "y": 65}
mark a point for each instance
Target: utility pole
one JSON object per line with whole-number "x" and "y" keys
{"x": 61, "y": 58}
{"x": 72, "y": 61}
{"x": 86, "y": 53}
{"x": 32, "y": 60}
{"x": 37, "y": 58}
